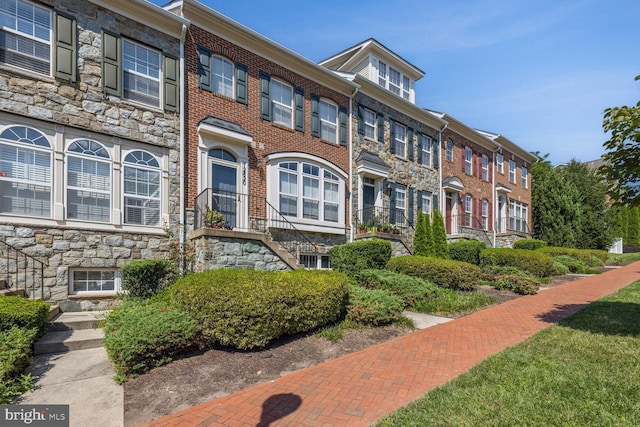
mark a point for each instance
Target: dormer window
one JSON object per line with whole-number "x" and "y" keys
{"x": 394, "y": 80}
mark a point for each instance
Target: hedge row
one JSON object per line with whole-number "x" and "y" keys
{"x": 591, "y": 257}
{"x": 373, "y": 306}
{"x": 23, "y": 313}
{"x": 410, "y": 289}
{"x": 247, "y": 308}
{"x": 534, "y": 262}
{"x": 467, "y": 251}
{"x": 445, "y": 273}
{"x": 353, "y": 257}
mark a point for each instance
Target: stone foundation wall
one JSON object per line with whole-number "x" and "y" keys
{"x": 213, "y": 252}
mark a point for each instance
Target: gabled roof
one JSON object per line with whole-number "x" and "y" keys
{"x": 502, "y": 141}
{"x": 349, "y": 58}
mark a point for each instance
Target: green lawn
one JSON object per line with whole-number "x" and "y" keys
{"x": 583, "y": 372}
{"x": 623, "y": 259}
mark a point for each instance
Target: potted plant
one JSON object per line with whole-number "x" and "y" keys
{"x": 362, "y": 228}
{"x": 213, "y": 218}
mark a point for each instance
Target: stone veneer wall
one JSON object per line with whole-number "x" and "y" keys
{"x": 213, "y": 252}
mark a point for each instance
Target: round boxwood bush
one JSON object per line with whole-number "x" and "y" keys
{"x": 353, "y": 257}
{"x": 529, "y": 244}
{"x": 373, "y": 306}
{"x": 534, "y": 262}
{"x": 147, "y": 277}
{"x": 247, "y": 308}
{"x": 517, "y": 283}
{"x": 467, "y": 251}
{"x": 559, "y": 269}
{"x": 445, "y": 273}
{"x": 410, "y": 289}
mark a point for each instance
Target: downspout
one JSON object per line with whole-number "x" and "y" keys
{"x": 352, "y": 227}
{"x": 494, "y": 197}
{"x": 440, "y": 162}
{"x": 182, "y": 226}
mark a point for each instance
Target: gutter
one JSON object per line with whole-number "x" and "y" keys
{"x": 351, "y": 221}
{"x": 182, "y": 225}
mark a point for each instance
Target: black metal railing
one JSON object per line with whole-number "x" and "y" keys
{"x": 19, "y": 270}
{"x": 249, "y": 213}
{"x": 468, "y": 224}
{"x": 384, "y": 220}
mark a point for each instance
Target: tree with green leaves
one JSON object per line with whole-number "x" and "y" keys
{"x": 556, "y": 209}
{"x": 621, "y": 168}
{"x": 596, "y": 220}
{"x": 423, "y": 238}
{"x": 440, "y": 246}
{"x": 633, "y": 236}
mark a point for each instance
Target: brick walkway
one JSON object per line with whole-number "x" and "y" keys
{"x": 360, "y": 388}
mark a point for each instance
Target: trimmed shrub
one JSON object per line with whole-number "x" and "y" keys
{"x": 410, "y": 289}
{"x": 559, "y": 269}
{"x": 516, "y": 283}
{"x": 23, "y": 313}
{"x": 373, "y": 306}
{"x": 15, "y": 356}
{"x": 590, "y": 257}
{"x": 439, "y": 236}
{"x": 574, "y": 265}
{"x": 445, "y": 273}
{"x": 248, "y": 308}
{"x": 140, "y": 335}
{"x": 467, "y": 251}
{"x": 529, "y": 244}
{"x": 353, "y": 257}
{"x": 148, "y": 277}
{"x": 534, "y": 262}
{"x": 423, "y": 237}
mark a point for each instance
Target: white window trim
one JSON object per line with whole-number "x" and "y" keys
{"x": 323, "y": 122}
{"x": 485, "y": 214}
{"x": 372, "y": 125}
{"x": 524, "y": 178}
{"x": 518, "y": 222}
{"x": 281, "y": 105}
{"x": 449, "y": 150}
{"x": 124, "y": 194}
{"x": 401, "y": 190}
{"x": 500, "y": 163}
{"x": 427, "y": 198}
{"x": 403, "y": 141}
{"x": 512, "y": 171}
{"x": 383, "y": 78}
{"x": 116, "y": 282}
{"x": 468, "y": 161}
{"x": 485, "y": 167}
{"x": 233, "y": 75}
{"x": 426, "y": 150}
{"x": 301, "y": 223}
{"x": 468, "y": 210}
{"x": 158, "y": 80}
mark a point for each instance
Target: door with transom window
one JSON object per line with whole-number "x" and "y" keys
{"x": 225, "y": 199}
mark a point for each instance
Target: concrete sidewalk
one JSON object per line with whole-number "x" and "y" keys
{"x": 360, "y": 388}
{"x": 82, "y": 379}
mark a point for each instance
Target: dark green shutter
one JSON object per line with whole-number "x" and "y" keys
{"x": 410, "y": 208}
{"x": 299, "y": 117}
{"x": 204, "y": 68}
{"x": 410, "y": 143}
{"x": 265, "y": 99}
{"x": 343, "y": 126}
{"x": 380, "y": 120}
{"x": 392, "y": 198}
{"x": 315, "y": 115}
{"x": 434, "y": 203}
{"x": 420, "y": 139}
{"x": 435, "y": 153}
{"x": 111, "y": 63}
{"x": 360, "y": 119}
{"x": 66, "y": 39}
{"x": 392, "y": 136}
{"x": 171, "y": 75}
{"x": 419, "y": 195}
{"x": 242, "y": 94}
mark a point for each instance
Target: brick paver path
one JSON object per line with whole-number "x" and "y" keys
{"x": 360, "y": 388}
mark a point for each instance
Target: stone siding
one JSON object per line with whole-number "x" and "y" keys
{"x": 213, "y": 252}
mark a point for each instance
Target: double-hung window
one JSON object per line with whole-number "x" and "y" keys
{"x": 141, "y": 68}
{"x": 518, "y": 216}
{"x": 485, "y": 214}
{"x": 288, "y": 182}
{"x": 425, "y": 142}
{"x": 25, "y": 172}
{"x": 525, "y": 175}
{"x": 425, "y": 203}
{"x": 395, "y": 81}
{"x": 512, "y": 171}
{"x": 401, "y": 205}
{"x": 382, "y": 74}
{"x": 88, "y": 181}
{"x": 331, "y": 196}
{"x": 222, "y": 76}
{"x": 281, "y": 103}
{"x": 141, "y": 189}
{"x": 468, "y": 161}
{"x": 485, "y": 167}
{"x": 369, "y": 118}
{"x": 449, "y": 151}
{"x": 406, "y": 86}
{"x": 310, "y": 191}
{"x": 468, "y": 210}
{"x": 328, "y": 121}
{"x": 400, "y": 140}
{"x": 500, "y": 163}
{"x": 25, "y": 36}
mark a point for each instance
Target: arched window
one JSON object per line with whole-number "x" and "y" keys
{"x": 141, "y": 189}
{"x": 219, "y": 153}
{"x": 25, "y": 172}
{"x": 88, "y": 181}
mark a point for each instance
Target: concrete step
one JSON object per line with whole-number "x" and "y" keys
{"x": 76, "y": 320}
{"x": 69, "y": 340}
{"x": 11, "y": 292}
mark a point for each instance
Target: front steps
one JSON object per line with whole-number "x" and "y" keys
{"x": 71, "y": 331}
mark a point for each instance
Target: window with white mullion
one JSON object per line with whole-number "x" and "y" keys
{"x": 400, "y": 136}
{"x": 88, "y": 182}
{"x": 382, "y": 74}
{"x": 328, "y": 121}
{"x": 222, "y": 71}
{"x": 401, "y": 205}
{"x": 288, "y": 183}
{"x": 25, "y": 172}
{"x": 331, "y": 197}
{"x": 425, "y": 203}
{"x": 141, "y": 189}
{"x": 406, "y": 87}
{"x": 512, "y": 171}
{"x": 468, "y": 211}
{"x": 25, "y": 35}
{"x": 485, "y": 214}
{"x": 369, "y": 124}
{"x": 485, "y": 167}
{"x": 395, "y": 81}
{"x": 426, "y": 150}
{"x": 449, "y": 151}
{"x": 310, "y": 191}
{"x": 468, "y": 161}
{"x": 282, "y": 103}
{"x": 500, "y": 163}
{"x": 141, "y": 69}
{"x": 93, "y": 281}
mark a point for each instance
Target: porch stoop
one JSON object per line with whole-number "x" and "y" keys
{"x": 71, "y": 331}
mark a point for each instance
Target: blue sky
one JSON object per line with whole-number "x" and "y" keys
{"x": 539, "y": 72}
